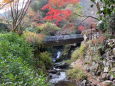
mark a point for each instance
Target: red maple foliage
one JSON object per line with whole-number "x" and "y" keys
{"x": 81, "y": 28}
{"x": 58, "y": 15}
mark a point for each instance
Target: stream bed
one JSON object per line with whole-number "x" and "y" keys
{"x": 60, "y": 79}
{"x": 57, "y": 75}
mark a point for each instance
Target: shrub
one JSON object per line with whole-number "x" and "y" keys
{"x": 15, "y": 72}
{"x": 76, "y": 73}
{"x": 43, "y": 61}
{"x": 15, "y": 63}
{"x": 45, "y": 57}
{"x": 33, "y": 38}
{"x": 47, "y": 29}
{"x": 14, "y": 45}
{"x": 79, "y": 52}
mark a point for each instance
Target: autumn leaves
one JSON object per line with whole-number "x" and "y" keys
{"x": 56, "y": 11}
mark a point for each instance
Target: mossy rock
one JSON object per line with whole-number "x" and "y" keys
{"x": 76, "y": 73}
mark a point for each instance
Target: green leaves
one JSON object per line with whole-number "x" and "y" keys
{"x": 13, "y": 44}
{"x": 106, "y": 9}
{"x": 16, "y": 62}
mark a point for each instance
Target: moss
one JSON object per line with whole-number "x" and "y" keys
{"x": 76, "y": 73}
{"x": 78, "y": 53}
{"x": 66, "y": 50}
{"x": 68, "y": 61}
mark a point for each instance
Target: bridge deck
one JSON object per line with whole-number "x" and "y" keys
{"x": 63, "y": 39}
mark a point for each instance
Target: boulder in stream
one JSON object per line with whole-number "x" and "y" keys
{"x": 61, "y": 65}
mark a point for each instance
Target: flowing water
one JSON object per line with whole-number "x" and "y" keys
{"x": 58, "y": 76}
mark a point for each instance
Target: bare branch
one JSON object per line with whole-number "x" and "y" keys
{"x": 88, "y": 17}
{"x": 17, "y": 14}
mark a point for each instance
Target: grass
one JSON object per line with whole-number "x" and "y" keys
{"x": 76, "y": 73}
{"x": 78, "y": 52}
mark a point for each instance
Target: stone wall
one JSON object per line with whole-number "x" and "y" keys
{"x": 99, "y": 59}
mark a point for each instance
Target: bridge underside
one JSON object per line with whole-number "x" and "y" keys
{"x": 63, "y": 39}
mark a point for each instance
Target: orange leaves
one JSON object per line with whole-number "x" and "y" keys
{"x": 7, "y": 1}
{"x": 55, "y": 13}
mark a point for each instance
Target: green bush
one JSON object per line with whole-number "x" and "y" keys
{"x": 43, "y": 61}
{"x": 34, "y": 38}
{"x": 47, "y": 29}
{"x": 15, "y": 63}
{"x": 45, "y": 57}
{"x": 13, "y": 44}
{"x": 108, "y": 17}
{"x": 15, "y": 72}
{"x": 76, "y": 73}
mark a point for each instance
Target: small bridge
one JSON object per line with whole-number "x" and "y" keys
{"x": 63, "y": 39}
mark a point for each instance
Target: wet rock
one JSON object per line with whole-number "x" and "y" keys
{"x": 57, "y": 78}
{"x": 49, "y": 76}
{"x": 83, "y": 83}
{"x": 59, "y": 59}
{"x": 53, "y": 71}
{"x": 108, "y": 83}
{"x": 61, "y": 65}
